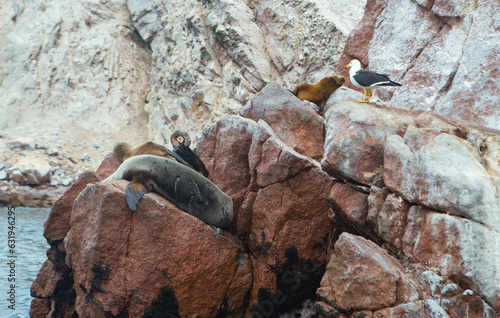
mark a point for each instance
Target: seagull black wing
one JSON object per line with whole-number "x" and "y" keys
{"x": 369, "y": 79}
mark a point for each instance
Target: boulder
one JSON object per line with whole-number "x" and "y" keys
{"x": 58, "y": 223}
{"x": 350, "y": 203}
{"x": 114, "y": 272}
{"x": 303, "y": 130}
{"x": 278, "y": 189}
{"x": 441, "y": 182}
{"x": 355, "y": 138}
{"x": 362, "y": 276}
{"x": 108, "y": 165}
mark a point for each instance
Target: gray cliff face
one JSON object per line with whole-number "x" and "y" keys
{"x": 75, "y": 63}
{"x": 106, "y": 66}
{"x": 210, "y": 57}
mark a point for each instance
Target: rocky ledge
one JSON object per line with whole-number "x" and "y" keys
{"x": 351, "y": 210}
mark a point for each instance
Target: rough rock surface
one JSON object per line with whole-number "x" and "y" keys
{"x": 209, "y": 58}
{"x": 373, "y": 238}
{"x": 91, "y": 64}
{"x": 77, "y": 63}
{"x": 443, "y": 52}
{"x": 138, "y": 70}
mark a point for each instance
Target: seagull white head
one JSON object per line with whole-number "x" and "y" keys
{"x": 354, "y": 65}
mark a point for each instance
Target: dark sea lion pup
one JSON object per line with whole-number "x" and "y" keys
{"x": 318, "y": 92}
{"x": 180, "y": 141}
{"x": 183, "y": 186}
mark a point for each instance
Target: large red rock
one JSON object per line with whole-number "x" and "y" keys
{"x": 108, "y": 165}
{"x": 362, "y": 276}
{"x": 349, "y": 202}
{"x": 295, "y": 122}
{"x": 285, "y": 194}
{"x": 40, "y": 308}
{"x": 46, "y": 282}
{"x": 121, "y": 259}
{"x": 224, "y": 148}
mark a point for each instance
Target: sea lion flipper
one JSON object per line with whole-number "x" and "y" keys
{"x": 134, "y": 193}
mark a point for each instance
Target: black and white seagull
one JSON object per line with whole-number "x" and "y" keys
{"x": 367, "y": 80}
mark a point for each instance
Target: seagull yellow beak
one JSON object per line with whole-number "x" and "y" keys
{"x": 347, "y": 66}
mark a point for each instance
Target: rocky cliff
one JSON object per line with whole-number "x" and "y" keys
{"x": 78, "y": 76}
{"x": 355, "y": 210}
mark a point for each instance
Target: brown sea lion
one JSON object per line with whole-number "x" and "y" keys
{"x": 318, "y": 92}
{"x": 123, "y": 150}
{"x": 180, "y": 141}
{"x": 189, "y": 190}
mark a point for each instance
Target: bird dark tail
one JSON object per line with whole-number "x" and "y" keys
{"x": 392, "y": 83}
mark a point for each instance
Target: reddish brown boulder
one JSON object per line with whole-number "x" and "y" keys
{"x": 40, "y": 308}
{"x": 294, "y": 213}
{"x": 108, "y": 165}
{"x": 225, "y": 154}
{"x": 115, "y": 273}
{"x": 46, "y": 282}
{"x": 224, "y": 149}
{"x": 349, "y": 202}
{"x": 285, "y": 194}
{"x": 295, "y": 122}
{"x": 362, "y": 276}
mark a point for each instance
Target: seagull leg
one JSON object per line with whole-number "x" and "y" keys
{"x": 369, "y": 95}
{"x": 364, "y": 96}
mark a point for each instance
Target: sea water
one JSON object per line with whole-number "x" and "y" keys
{"x": 22, "y": 253}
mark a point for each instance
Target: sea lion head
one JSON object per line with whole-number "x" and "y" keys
{"x": 122, "y": 150}
{"x": 180, "y": 137}
{"x": 333, "y": 82}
